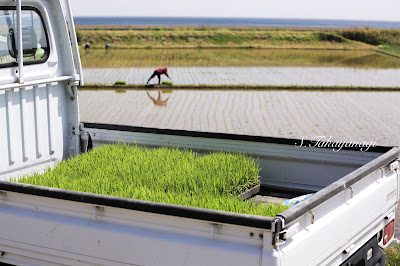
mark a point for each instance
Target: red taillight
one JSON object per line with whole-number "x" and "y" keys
{"x": 388, "y": 232}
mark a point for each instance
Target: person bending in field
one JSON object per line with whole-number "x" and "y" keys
{"x": 158, "y": 72}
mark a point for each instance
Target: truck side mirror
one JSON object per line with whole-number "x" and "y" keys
{"x": 12, "y": 50}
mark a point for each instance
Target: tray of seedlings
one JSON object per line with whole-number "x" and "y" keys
{"x": 217, "y": 181}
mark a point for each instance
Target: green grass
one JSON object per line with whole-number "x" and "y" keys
{"x": 364, "y": 40}
{"x": 392, "y": 49}
{"x": 393, "y": 256}
{"x": 372, "y": 36}
{"x": 173, "y": 176}
{"x": 120, "y": 82}
{"x": 387, "y": 40}
{"x": 192, "y": 38}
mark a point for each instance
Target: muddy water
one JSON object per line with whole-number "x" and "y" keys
{"x": 346, "y": 116}
{"x": 342, "y": 115}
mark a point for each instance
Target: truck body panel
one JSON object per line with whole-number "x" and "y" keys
{"x": 346, "y": 217}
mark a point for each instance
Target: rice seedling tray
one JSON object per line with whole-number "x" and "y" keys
{"x": 215, "y": 181}
{"x": 249, "y": 193}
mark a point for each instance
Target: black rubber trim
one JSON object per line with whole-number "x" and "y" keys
{"x": 326, "y": 193}
{"x": 33, "y": 62}
{"x": 175, "y": 132}
{"x": 261, "y": 222}
{"x": 278, "y": 225}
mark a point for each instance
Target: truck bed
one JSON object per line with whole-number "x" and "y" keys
{"x": 287, "y": 170}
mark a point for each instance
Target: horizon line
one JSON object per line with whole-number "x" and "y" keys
{"x": 334, "y": 19}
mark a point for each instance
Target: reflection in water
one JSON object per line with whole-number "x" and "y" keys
{"x": 158, "y": 101}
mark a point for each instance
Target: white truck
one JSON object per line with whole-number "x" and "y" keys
{"x": 347, "y": 221}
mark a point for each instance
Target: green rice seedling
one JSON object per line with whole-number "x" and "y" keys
{"x": 166, "y": 175}
{"x": 167, "y": 83}
{"x": 120, "y": 82}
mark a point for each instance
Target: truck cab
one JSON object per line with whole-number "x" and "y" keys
{"x": 38, "y": 88}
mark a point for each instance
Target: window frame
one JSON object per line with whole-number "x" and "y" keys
{"x": 48, "y": 50}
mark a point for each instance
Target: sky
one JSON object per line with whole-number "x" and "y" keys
{"x": 388, "y": 10}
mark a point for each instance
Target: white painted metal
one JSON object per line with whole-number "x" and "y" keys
{"x": 341, "y": 223}
{"x": 24, "y": 129}
{"x": 75, "y": 46}
{"x": 67, "y": 232}
{"x": 10, "y": 126}
{"x": 38, "y": 125}
{"x": 38, "y": 115}
{"x": 35, "y": 83}
{"x": 19, "y": 42}
{"x": 50, "y": 122}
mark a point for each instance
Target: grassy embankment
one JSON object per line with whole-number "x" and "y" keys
{"x": 172, "y": 176}
{"x": 393, "y": 49}
{"x": 356, "y": 38}
{"x": 215, "y": 38}
{"x": 385, "y": 40}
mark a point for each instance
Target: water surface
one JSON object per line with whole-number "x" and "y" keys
{"x": 235, "y": 21}
{"x": 285, "y": 76}
{"x": 347, "y": 116}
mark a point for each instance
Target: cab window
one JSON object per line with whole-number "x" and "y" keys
{"x": 34, "y": 37}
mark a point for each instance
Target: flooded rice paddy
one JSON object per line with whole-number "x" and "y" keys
{"x": 349, "y": 116}
{"x": 139, "y": 58}
{"x": 245, "y": 66}
{"x": 305, "y": 76}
